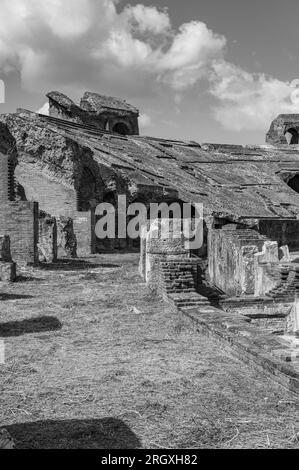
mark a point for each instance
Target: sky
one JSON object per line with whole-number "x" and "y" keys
{"x": 209, "y": 71}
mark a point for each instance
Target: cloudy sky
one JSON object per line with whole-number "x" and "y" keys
{"x": 205, "y": 70}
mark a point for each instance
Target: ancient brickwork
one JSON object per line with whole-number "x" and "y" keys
{"x": 20, "y": 221}
{"x": 288, "y": 287}
{"x": 178, "y": 282}
{"x": 47, "y": 243}
{"x": 162, "y": 240}
{"x": 283, "y": 125}
{"x": 66, "y": 239}
{"x": 98, "y": 111}
{"x": 7, "y": 265}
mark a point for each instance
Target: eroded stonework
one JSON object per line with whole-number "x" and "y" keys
{"x": 85, "y": 154}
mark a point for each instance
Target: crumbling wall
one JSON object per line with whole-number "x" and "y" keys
{"x": 292, "y": 321}
{"x": 7, "y": 265}
{"x": 84, "y": 231}
{"x": 95, "y": 110}
{"x": 162, "y": 240}
{"x": 276, "y": 135}
{"x": 266, "y": 267}
{"x": 231, "y": 259}
{"x": 66, "y": 239}
{"x": 47, "y": 244}
{"x": 20, "y": 221}
{"x": 284, "y": 232}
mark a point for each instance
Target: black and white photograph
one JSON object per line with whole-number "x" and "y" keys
{"x": 149, "y": 229}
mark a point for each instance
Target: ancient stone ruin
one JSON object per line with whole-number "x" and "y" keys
{"x": 240, "y": 286}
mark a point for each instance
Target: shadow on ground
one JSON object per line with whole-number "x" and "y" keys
{"x": 106, "y": 433}
{"x": 31, "y": 325}
{"x": 74, "y": 265}
{"x": 21, "y": 278}
{"x": 4, "y": 296}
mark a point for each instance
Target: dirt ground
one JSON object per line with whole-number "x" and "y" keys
{"x": 94, "y": 360}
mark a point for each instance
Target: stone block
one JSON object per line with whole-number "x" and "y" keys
{"x": 66, "y": 239}
{"x": 84, "y": 231}
{"x": 7, "y": 271}
{"x": 266, "y": 265}
{"x": 5, "y": 254}
{"x": 47, "y": 244}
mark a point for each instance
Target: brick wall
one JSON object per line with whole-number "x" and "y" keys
{"x": 53, "y": 197}
{"x": 19, "y": 220}
{"x": 163, "y": 240}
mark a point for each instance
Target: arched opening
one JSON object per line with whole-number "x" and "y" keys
{"x": 86, "y": 191}
{"x": 121, "y": 128}
{"x": 292, "y": 136}
{"x": 294, "y": 183}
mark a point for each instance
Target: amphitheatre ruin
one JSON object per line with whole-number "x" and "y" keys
{"x": 240, "y": 288}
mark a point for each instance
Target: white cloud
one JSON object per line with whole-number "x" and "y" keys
{"x": 44, "y": 109}
{"x": 147, "y": 19}
{"x": 132, "y": 51}
{"x": 246, "y": 100}
{"x": 191, "y": 52}
{"x": 83, "y": 43}
{"x": 145, "y": 122}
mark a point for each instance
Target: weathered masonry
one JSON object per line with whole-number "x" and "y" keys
{"x": 18, "y": 219}
{"x": 244, "y": 276}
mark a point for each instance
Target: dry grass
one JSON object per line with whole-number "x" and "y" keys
{"x": 93, "y": 360}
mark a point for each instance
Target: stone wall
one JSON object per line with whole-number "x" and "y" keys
{"x": 47, "y": 244}
{"x": 285, "y": 232}
{"x": 54, "y": 197}
{"x": 20, "y": 221}
{"x": 231, "y": 259}
{"x": 266, "y": 266}
{"x": 7, "y": 266}
{"x": 66, "y": 239}
{"x": 161, "y": 240}
{"x": 84, "y": 230}
{"x": 279, "y": 127}
{"x": 292, "y": 323}
{"x": 91, "y": 113}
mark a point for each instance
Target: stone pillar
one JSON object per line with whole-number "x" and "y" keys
{"x": 47, "y": 245}
{"x": 247, "y": 276}
{"x": 266, "y": 264}
{"x": 7, "y": 266}
{"x": 164, "y": 240}
{"x": 84, "y": 229}
{"x": 292, "y": 320}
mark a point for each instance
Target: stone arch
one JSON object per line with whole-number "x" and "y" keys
{"x": 292, "y": 136}
{"x": 121, "y": 128}
{"x": 86, "y": 194}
